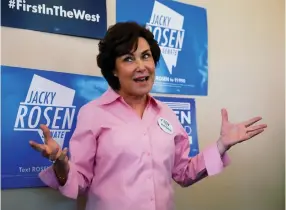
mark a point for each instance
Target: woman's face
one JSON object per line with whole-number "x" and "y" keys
{"x": 136, "y": 70}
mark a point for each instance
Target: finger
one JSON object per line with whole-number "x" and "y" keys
{"x": 63, "y": 154}
{"x": 255, "y": 133}
{"x": 36, "y": 146}
{"x": 224, "y": 116}
{"x": 65, "y": 151}
{"x": 256, "y": 127}
{"x": 46, "y": 132}
{"x": 46, "y": 154}
{"x": 252, "y": 121}
{"x": 53, "y": 155}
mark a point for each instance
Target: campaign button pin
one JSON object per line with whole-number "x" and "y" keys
{"x": 165, "y": 125}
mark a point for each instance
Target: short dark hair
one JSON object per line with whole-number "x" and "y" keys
{"x": 119, "y": 40}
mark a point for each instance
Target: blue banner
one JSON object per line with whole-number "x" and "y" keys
{"x": 83, "y": 18}
{"x": 185, "y": 109}
{"x": 32, "y": 97}
{"x": 181, "y": 31}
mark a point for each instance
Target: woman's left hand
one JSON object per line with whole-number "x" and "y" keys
{"x": 231, "y": 133}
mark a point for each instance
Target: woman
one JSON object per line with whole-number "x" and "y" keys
{"x": 127, "y": 147}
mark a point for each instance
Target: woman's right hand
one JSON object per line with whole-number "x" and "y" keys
{"x": 50, "y": 149}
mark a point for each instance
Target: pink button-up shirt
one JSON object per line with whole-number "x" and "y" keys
{"x": 123, "y": 162}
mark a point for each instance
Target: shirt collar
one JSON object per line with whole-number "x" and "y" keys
{"x": 110, "y": 96}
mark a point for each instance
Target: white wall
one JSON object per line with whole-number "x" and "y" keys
{"x": 246, "y": 75}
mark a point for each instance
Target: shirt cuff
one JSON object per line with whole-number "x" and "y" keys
{"x": 214, "y": 161}
{"x": 70, "y": 189}
{"x": 49, "y": 178}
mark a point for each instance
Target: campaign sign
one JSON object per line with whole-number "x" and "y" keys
{"x": 32, "y": 97}
{"x": 84, "y": 18}
{"x": 185, "y": 109}
{"x": 181, "y": 31}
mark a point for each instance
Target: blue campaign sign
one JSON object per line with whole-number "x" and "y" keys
{"x": 84, "y": 18}
{"x": 32, "y": 97}
{"x": 185, "y": 109}
{"x": 181, "y": 31}
{"x": 29, "y": 98}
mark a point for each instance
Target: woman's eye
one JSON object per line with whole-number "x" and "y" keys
{"x": 128, "y": 59}
{"x": 147, "y": 55}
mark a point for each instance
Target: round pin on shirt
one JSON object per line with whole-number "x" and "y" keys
{"x": 165, "y": 125}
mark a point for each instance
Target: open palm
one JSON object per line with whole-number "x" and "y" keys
{"x": 50, "y": 149}
{"x": 232, "y": 133}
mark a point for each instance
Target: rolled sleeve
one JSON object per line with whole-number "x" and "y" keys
{"x": 214, "y": 161}
{"x": 49, "y": 178}
{"x": 70, "y": 189}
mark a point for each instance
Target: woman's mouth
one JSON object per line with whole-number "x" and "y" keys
{"x": 141, "y": 79}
